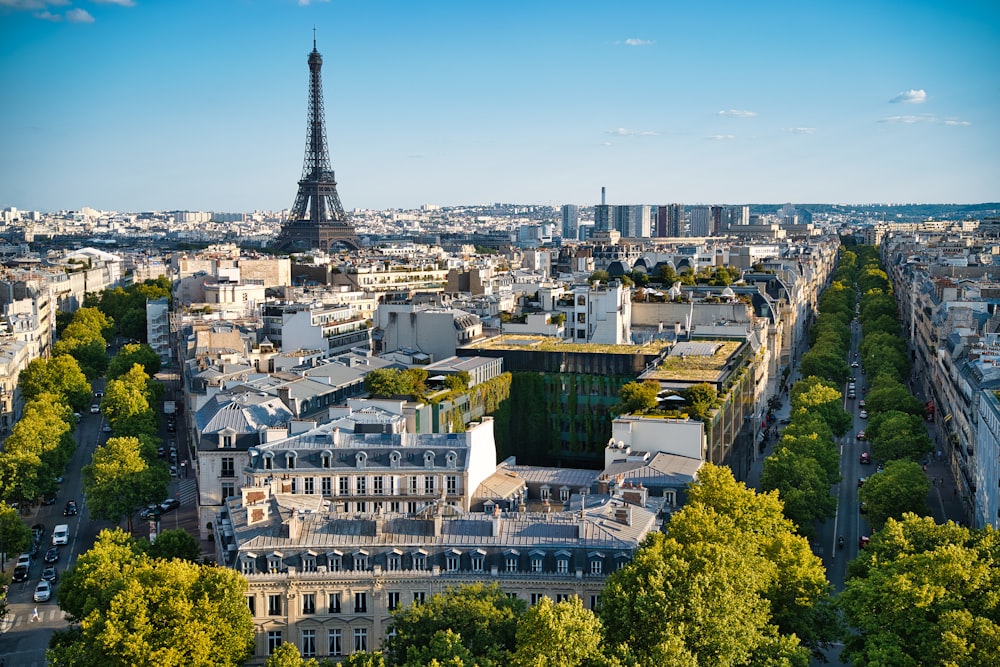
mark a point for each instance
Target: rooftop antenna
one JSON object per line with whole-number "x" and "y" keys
{"x": 314, "y": 38}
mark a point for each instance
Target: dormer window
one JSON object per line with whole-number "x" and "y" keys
{"x": 227, "y": 441}
{"x": 290, "y": 460}
{"x": 394, "y": 458}
{"x": 274, "y": 563}
{"x": 326, "y": 459}
{"x": 428, "y": 459}
{"x": 268, "y": 460}
{"x": 361, "y": 459}
{"x": 451, "y": 459}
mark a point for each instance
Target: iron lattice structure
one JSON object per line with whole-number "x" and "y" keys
{"x": 317, "y": 219}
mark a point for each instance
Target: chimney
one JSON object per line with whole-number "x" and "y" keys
{"x": 603, "y": 200}
{"x": 603, "y": 485}
{"x": 495, "y": 529}
{"x": 623, "y": 515}
{"x": 294, "y": 526}
{"x": 635, "y": 495}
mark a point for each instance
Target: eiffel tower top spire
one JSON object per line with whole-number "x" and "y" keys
{"x": 317, "y": 219}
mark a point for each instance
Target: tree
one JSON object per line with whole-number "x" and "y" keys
{"x": 15, "y": 536}
{"x": 363, "y": 659}
{"x": 136, "y": 610}
{"x": 710, "y": 591}
{"x": 287, "y": 655}
{"x": 802, "y": 486}
{"x": 638, "y": 396}
{"x": 482, "y": 615}
{"x": 819, "y": 396}
{"x": 598, "y": 276}
{"x": 924, "y": 593}
{"x": 900, "y": 488}
{"x": 59, "y": 375}
{"x": 556, "y": 634}
{"x": 897, "y": 435}
{"x": 175, "y": 544}
{"x": 125, "y": 397}
{"x": 119, "y": 481}
{"x": 132, "y": 354}
{"x": 91, "y": 355}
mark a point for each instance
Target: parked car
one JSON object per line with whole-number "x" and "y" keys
{"x": 865, "y": 458}
{"x": 861, "y": 481}
{"x": 106, "y": 428}
{"x": 43, "y": 591}
{"x": 861, "y": 435}
{"x": 51, "y": 556}
{"x": 150, "y": 512}
{"x": 863, "y": 541}
{"x": 49, "y": 574}
{"x": 70, "y": 509}
{"x": 863, "y": 414}
{"x": 861, "y": 403}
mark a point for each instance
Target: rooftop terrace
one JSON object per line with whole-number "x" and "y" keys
{"x": 553, "y": 344}
{"x": 696, "y": 368}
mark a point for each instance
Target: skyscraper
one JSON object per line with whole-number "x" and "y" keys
{"x": 570, "y": 222}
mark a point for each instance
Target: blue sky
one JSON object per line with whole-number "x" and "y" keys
{"x": 201, "y": 104}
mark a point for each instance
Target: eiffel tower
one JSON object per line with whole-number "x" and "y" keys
{"x": 317, "y": 219}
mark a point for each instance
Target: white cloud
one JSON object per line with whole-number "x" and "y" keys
{"x": 910, "y": 120}
{"x": 303, "y": 3}
{"x": 79, "y": 16}
{"x": 635, "y": 41}
{"x": 910, "y": 97}
{"x": 48, "y": 16}
{"x": 624, "y": 132}
{"x": 721, "y": 137}
{"x": 120, "y": 3}
{"x": 954, "y": 122}
{"x": 738, "y": 113}
{"x": 29, "y": 5}
{"x": 801, "y": 130}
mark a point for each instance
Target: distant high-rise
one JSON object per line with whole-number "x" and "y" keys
{"x": 570, "y": 222}
{"x": 632, "y": 220}
{"x": 670, "y": 220}
{"x": 700, "y": 220}
{"x": 317, "y": 219}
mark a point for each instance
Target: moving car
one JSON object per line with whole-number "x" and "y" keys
{"x": 52, "y": 555}
{"x": 22, "y": 567}
{"x": 861, "y": 435}
{"x": 865, "y": 458}
{"x": 60, "y": 535}
{"x": 863, "y": 414}
{"x": 70, "y": 509}
{"x": 95, "y": 408}
{"x": 150, "y": 513}
{"x": 49, "y": 574}
{"x": 106, "y": 428}
{"x": 43, "y": 591}
{"x": 861, "y": 403}
{"x": 854, "y": 364}
{"x": 169, "y": 505}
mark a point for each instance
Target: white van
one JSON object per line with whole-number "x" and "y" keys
{"x": 60, "y": 535}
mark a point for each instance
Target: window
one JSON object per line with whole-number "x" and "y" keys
{"x": 308, "y": 643}
{"x": 325, "y": 486}
{"x": 290, "y": 461}
{"x": 228, "y": 490}
{"x": 512, "y": 563}
{"x": 562, "y": 597}
{"x": 377, "y": 485}
{"x": 343, "y": 486}
{"x": 581, "y": 318}
{"x": 413, "y": 484}
{"x": 308, "y": 603}
{"x": 429, "y": 485}
{"x": 544, "y": 493}
{"x": 252, "y": 605}
{"x": 394, "y": 506}
{"x": 451, "y": 562}
{"x": 228, "y": 442}
{"x": 309, "y": 563}
{"x": 536, "y": 598}
{"x": 411, "y": 507}
{"x": 593, "y": 602}
{"x": 362, "y": 506}
{"x": 564, "y": 494}
{"x": 360, "y": 603}
{"x": 273, "y": 640}
{"x": 325, "y": 460}
{"x": 334, "y": 562}
{"x": 452, "y": 483}
{"x": 536, "y": 564}
{"x": 335, "y": 641}
{"x": 477, "y": 563}
{"x": 267, "y": 462}
{"x": 393, "y": 600}
{"x": 419, "y": 561}
{"x": 334, "y": 603}
{"x": 308, "y": 486}
{"x": 393, "y": 563}
{"x": 596, "y": 567}
{"x": 581, "y": 333}
{"x": 274, "y": 605}
{"x": 362, "y": 485}
{"x": 295, "y": 484}
{"x": 360, "y": 639}
{"x": 273, "y": 564}
{"x": 419, "y": 597}
{"x": 360, "y": 561}
{"x": 562, "y": 566}
{"x": 247, "y": 567}
{"x": 228, "y": 466}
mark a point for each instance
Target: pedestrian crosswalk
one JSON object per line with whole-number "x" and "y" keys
{"x": 23, "y": 618}
{"x": 186, "y": 491}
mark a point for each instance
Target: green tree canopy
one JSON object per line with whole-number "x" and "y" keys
{"x": 126, "y": 396}
{"x": 924, "y": 594}
{"x": 900, "y": 488}
{"x": 15, "y": 536}
{"x": 136, "y": 610}
{"x": 482, "y": 615}
{"x": 132, "y": 354}
{"x": 59, "y": 375}
{"x": 898, "y": 435}
{"x": 287, "y": 655}
{"x": 119, "y": 481}
{"x": 638, "y": 397}
{"x": 175, "y": 543}
{"x": 821, "y": 397}
{"x": 802, "y": 485}
{"x": 557, "y": 634}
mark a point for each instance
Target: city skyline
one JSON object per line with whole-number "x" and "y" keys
{"x": 130, "y": 105}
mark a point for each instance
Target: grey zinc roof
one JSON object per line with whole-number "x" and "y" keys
{"x": 572, "y": 477}
{"x": 243, "y": 413}
{"x": 662, "y": 470}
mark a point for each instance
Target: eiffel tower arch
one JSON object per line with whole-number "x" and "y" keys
{"x": 317, "y": 219}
